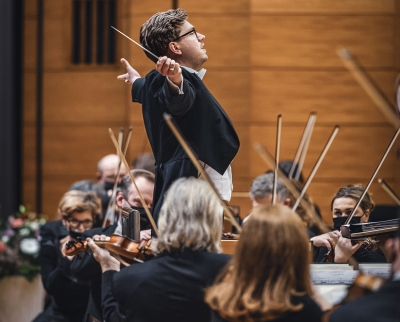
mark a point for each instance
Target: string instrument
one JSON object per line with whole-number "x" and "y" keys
{"x": 363, "y": 285}
{"x": 124, "y": 249}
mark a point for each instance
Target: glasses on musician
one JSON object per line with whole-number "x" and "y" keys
{"x": 76, "y": 223}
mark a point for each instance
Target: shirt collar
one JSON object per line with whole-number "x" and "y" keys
{"x": 200, "y": 73}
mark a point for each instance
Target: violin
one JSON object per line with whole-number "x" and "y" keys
{"x": 363, "y": 285}
{"x": 367, "y": 242}
{"x": 124, "y": 249}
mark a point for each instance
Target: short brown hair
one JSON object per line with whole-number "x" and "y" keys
{"x": 162, "y": 28}
{"x": 355, "y": 192}
{"x": 79, "y": 201}
{"x": 270, "y": 264}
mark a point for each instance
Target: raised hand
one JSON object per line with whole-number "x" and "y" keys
{"x": 131, "y": 74}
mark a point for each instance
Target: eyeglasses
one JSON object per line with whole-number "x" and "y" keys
{"x": 188, "y": 33}
{"x": 76, "y": 223}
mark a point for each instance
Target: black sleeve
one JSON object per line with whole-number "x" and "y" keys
{"x": 111, "y": 310}
{"x": 53, "y": 267}
{"x": 85, "y": 266}
{"x": 364, "y": 255}
{"x": 137, "y": 90}
{"x": 177, "y": 104}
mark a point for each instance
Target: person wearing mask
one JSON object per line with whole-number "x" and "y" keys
{"x": 69, "y": 297}
{"x": 86, "y": 268}
{"x": 268, "y": 278}
{"x": 342, "y": 206}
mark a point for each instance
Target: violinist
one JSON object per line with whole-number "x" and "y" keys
{"x": 342, "y": 205}
{"x": 169, "y": 287}
{"x": 175, "y": 87}
{"x": 87, "y": 268}
{"x": 78, "y": 210}
{"x": 268, "y": 277}
{"x": 381, "y": 306}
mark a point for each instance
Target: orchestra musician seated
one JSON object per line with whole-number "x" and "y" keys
{"x": 169, "y": 287}
{"x": 86, "y": 268}
{"x": 342, "y": 205}
{"x": 78, "y": 210}
{"x": 268, "y": 278}
{"x": 382, "y": 305}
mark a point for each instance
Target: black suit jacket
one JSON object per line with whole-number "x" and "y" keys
{"x": 88, "y": 269}
{"x": 201, "y": 119}
{"x": 169, "y": 287}
{"x": 381, "y": 306}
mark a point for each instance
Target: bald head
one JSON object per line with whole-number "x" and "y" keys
{"x": 107, "y": 169}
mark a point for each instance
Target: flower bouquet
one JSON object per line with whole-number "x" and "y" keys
{"x": 19, "y": 244}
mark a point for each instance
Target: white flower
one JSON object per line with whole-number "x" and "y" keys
{"x": 34, "y": 225}
{"x": 29, "y": 246}
{"x": 5, "y": 239}
{"x": 24, "y": 232}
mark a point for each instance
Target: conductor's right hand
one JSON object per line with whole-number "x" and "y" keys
{"x": 131, "y": 74}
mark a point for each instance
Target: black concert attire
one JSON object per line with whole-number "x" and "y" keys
{"x": 362, "y": 255}
{"x": 199, "y": 116}
{"x": 310, "y": 312}
{"x": 170, "y": 287}
{"x": 381, "y": 306}
{"x": 88, "y": 269}
{"x": 69, "y": 297}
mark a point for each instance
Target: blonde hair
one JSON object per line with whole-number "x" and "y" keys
{"x": 271, "y": 263}
{"x": 79, "y": 201}
{"x": 190, "y": 217}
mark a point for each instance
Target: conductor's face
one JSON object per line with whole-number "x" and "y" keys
{"x": 191, "y": 45}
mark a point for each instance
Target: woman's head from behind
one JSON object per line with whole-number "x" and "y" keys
{"x": 271, "y": 263}
{"x": 191, "y": 217}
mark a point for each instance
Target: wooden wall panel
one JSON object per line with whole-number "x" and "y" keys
{"x": 84, "y": 97}
{"x": 311, "y": 41}
{"x": 221, "y": 7}
{"x": 335, "y": 95}
{"x": 29, "y": 98}
{"x": 382, "y": 7}
{"x": 354, "y": 154}
{"x": 30, "y": 44}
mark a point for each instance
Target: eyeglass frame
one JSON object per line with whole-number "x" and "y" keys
{"x": 187, "y": 33}
{"x": 84, "y": 223}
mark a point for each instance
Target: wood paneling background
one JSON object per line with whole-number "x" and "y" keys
{"x": 265, "y": 58}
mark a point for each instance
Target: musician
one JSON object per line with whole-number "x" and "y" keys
{"x": 171, "y": 286}
{"x": 87, "y": 268}
{"x": 382, "y": 306}
{"x": 342, "y": 205}
{"x": 175, "y": 87}
{"x": 69, "y": 296}
{"x": 261, "y": 192}
{"x": 268, "y": 277}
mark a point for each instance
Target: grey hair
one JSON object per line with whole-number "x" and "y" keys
{"x": 126, "y": 181}
{"x": 190, "y": 217}
{"x": 263, "y": 186}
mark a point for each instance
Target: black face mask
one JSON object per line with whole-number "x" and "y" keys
{"x": 108, "y": 185}
{"x": 339, "y": 221}
{"x": 75, "y": 233}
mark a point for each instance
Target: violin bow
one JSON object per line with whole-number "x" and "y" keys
{"x": 306, "y": 134}
{"x": 373, "y": 176}
{"x": 122, "y": 157}
{"x": 189, "y": 151}
{"x": 389, "y": 190}
{"x": 277, "y": 148}
{"x": 383, "y": 104}
{"x": 269, "y": 160}
{"x": 316, "y": 166}
{"x": 305, "y": 149}
{"x": 111, "y": 203}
